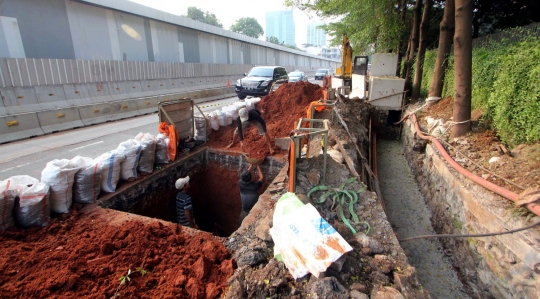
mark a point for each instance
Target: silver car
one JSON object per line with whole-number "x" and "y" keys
{"x": 297, "y": 76}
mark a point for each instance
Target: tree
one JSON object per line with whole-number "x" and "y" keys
{"x": 273, "y": 39}
{"x": 443, "y": 51}
{"x": 462, "y": 68}
{"x": 196, "y": 14}
{"x": 424, "y": 27}
{"x": 248, "y": 26}
{"x": 413, "y": 43}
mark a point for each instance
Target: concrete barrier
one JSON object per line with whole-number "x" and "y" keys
{"x": 118, "y": 91}
{"x": 134, "y": 89}
{"x": 148, "y": 104}
{"x": 3, "y": 110}
{"x": 77, "y": 94}
{"x": 99, "y": 92}
{"x": 17, "y": 100}
{"x": 104, "y": 112}
{"x": 59, "y": 120}
{"x": 51, "y": 97}
{"x": 19, "y": 126}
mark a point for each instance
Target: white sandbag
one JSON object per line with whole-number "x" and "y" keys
{"x": 148, "y": 152}
{"x": 200, "y": 129}
{"x": 7, "y": 202}
{"x": 59, "y": 175}
{"x": 33, "y": 207}
{"x": 162, "y": 152}
{"x": 214, "y": 122}
{"x": 110, "y": 165}
{"x": 87, "y": 183}
{"x": 222, "y": 118}
{"x": 131, "y": 149}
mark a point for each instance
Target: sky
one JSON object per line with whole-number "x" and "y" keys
{"x": 227, "y": 12}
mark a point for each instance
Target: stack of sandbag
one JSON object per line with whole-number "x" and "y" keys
{"x": 59, "y": 174}
{"x": 7, "y": 202}
{"x": 162, "y": 145}
{"x": 111, "y": 168}
{"x": 33, "y": 205}
{"x": 131, "y": 149}
{"x": 87, "y": 184}
{"x": 148, "y": 152}
{"x": 201, "y": 132}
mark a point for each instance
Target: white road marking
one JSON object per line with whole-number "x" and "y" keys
{"x": 15, "y": 167}
{"x": 78, "y": 148}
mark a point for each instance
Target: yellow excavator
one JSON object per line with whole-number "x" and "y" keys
{"x": 348, "y": 66}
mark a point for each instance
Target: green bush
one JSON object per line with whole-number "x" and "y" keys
{"x": 505, "y": 85}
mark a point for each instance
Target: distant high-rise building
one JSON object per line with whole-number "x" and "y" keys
{"x": 280, "y": 24}
{"x": 316, "y": 36}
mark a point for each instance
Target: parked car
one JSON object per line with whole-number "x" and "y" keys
{"x": 259, "y": 81}
{"x": 321, "y": 73}
{"x": 297, "y": 76}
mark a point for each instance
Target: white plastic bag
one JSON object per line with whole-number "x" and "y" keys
{"x": 131, "y": 149}
{"x": 199, "y": 124}
{"x": 214, "y": 122}
{"x": 110, "y": 165}
{"x": 303, "y": 239}
{"x": 33, "y": 207}
{"x": 7, "y": 202}
{"x": 162, "y": 145}
{"x": 59, "y": 175}
{"x": 87, "y": 183}
{"x": 148, "y": 152}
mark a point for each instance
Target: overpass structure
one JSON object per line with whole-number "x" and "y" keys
{"x": 68, "y": 64}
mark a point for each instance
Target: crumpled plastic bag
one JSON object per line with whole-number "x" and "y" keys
{"x": 304, "y": 241}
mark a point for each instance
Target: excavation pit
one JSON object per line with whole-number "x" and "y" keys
{"x": 214, "y": 190}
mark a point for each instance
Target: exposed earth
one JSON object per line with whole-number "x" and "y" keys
{"x": 83, "y": 254}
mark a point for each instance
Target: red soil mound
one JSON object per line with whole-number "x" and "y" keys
{"x": 77, "y": 257}
{"x": 280, "y": 109}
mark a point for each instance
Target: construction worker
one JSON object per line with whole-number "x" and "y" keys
{"x": 245, "y": 118}
{"x": 249, "y": 190}
{"x": 184, "y": 209}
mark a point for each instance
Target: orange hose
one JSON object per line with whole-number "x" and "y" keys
{"x": 291, "y": 166}
{"x": 480, "y": 181}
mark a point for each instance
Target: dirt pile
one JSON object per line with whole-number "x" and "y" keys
{"x": 82, "y": 256}
{"x": 280, "y": 109}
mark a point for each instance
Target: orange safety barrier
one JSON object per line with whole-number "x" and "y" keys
{"x": 169, "y": 130}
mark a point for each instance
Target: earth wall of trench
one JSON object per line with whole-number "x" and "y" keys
{"x": 502, "y": 266}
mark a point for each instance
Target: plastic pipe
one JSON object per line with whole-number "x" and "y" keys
{"x": 480, "y": 181}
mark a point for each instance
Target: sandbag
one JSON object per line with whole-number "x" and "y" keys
{"x": 33, "y": 205}
{"x": 87, "y": 183}
{"x": 214, "y": 122}
{"x": 201, "y": 131}
{"x": 7, "y": 202}
{"x": 110, "y": 173}
{"x": 162, "y": 145}
{"x": 131, "y": 149}
{"x": 148, "y": 153}
{"x": 59, "y": 174}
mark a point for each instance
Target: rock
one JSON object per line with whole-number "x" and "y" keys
{"x": 326, "y": 288}
{"x": 381, "y": 292}
{"x": 517, "y": 150}
{"x": 382, "y": 263}
{"x": 303, "y": 198}
{"x": 314, "y": 177}
{"x": 494, "y": 160}
{"x": 367, "y": 242}
{"x": 262, "y": 229}
{"x": 357, "y": 295}
{"x": 407, "y": 282}
{"x": 338, "y": 264}
{"x": 250, "y": 258}
{"x": 358, "y": 287}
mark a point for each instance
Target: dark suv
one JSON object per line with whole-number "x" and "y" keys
{"x": 258, "y": 82}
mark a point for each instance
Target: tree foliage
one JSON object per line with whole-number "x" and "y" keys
{"x": 248, "y": 26}
{"x": 273, "y": 39}
{"x": 366, "y": 22}
{"x": 495, "y": 15}
{"x": 197, "y": 14}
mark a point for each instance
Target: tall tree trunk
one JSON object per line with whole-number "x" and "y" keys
{"x": 424, "y": 27}
{"x": 402, "y": 4}
{"x": 443, "y": 52}
{"x": 404, "y": 70}
{"x": 413, "y": 43}
{"x": 462, "y": 68}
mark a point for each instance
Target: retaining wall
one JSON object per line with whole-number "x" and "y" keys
{"x": 504, "y": 266}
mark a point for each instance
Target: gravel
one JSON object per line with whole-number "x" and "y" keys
{"x": 409, "y": 216}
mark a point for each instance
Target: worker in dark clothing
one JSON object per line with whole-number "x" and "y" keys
{"x": 184, "y": 209}
{"x": 249, "y": 190}
{"x": 245, "y": 118}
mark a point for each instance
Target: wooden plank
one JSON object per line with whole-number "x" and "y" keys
{"x": 177, "y": 106}
{"x": 179, "y": 115}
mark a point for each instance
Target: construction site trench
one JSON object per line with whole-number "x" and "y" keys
{"x": 84, "y": 253}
